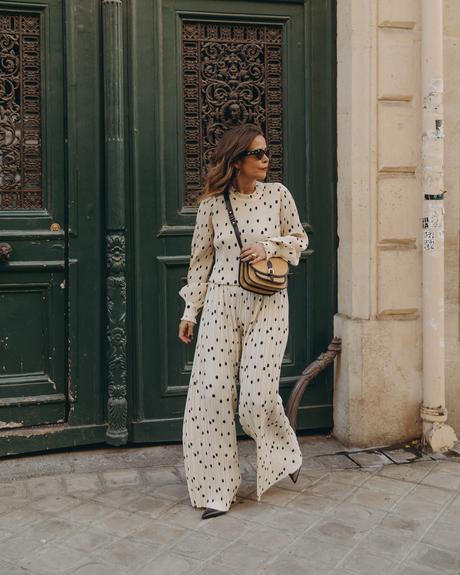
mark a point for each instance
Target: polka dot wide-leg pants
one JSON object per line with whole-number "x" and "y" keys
{"x": 242, "y": 337}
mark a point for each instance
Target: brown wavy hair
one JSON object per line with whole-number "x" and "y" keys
{"x": 221, "y": 171}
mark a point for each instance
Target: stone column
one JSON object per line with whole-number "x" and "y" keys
{"x": 377, "y": 388}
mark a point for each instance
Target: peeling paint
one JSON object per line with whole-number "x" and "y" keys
{"x": 4, "y": 343}
{"x": 439, "y": 128}
{"x": 437, "y": 85}
{"x": 10, "y": 424}
{"x": 53, "y": 383}
{"x": 28, "y": 432}
{"x": 432, "y": 102}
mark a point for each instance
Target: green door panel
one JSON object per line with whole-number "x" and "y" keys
{"x": 50, "y": 214}
{"x": 32, "y": 370}
{"x": 32, "y": 218}
{"x": 176, "y": 112}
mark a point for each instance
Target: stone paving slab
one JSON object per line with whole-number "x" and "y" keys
{"x": 126, "y": 511}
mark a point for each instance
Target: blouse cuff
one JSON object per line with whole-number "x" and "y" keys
{"x": 190, "y": 313}
{"x": 270, "y": 248}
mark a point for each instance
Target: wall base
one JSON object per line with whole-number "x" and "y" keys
{"x": 377, "y": 381}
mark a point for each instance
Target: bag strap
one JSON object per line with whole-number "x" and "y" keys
{"x": 232, "y": 218}
{"x": 228, "y": 203}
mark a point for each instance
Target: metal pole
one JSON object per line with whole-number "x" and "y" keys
{"x": 436, "y": 433}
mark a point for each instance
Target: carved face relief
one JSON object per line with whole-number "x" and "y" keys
{"x": 116, "y": 253}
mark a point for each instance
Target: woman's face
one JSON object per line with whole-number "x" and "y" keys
{"x": 249, "y": 166}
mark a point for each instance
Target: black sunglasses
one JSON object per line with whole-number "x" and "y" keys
{"x": 259, "y": 153}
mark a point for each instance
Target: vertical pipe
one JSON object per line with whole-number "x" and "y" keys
{"x": 117, "y": 406}
{"x": 436, "y": 433}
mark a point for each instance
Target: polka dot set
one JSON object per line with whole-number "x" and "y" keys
{"x": 241, "y": 338}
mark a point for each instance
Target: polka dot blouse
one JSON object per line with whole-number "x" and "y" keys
{"x": 267, "y": 216}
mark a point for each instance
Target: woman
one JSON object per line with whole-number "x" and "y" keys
{"x": 242, "y": 335}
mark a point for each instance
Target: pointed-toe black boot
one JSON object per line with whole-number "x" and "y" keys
{"x": 210, "y": 512}
{"x": 295, "y": 474}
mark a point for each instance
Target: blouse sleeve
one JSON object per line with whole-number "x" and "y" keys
{"x": 201, "y": 262}
{"x": 293, "y": 239}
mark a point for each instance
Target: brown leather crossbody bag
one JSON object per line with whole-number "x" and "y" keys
{"x": 265, "y": 277}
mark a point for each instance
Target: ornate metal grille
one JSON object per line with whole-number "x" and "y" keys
{"x": 232, "y": 74}
{"x": 20, "y": 121}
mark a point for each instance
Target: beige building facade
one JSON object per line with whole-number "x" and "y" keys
{"x": 378, "y": 387}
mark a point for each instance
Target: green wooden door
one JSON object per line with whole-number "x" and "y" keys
{"x": 50, "y": 212}
{"x": 32, "y": 291}
{"x": 196, "y": 67}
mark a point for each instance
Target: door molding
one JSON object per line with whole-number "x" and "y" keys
{"x": 113, "y": 56}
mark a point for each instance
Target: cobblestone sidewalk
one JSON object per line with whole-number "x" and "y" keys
{"x": 123, "y": 511}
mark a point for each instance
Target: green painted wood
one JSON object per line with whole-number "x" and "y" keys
{"x": 32, "y": 291}
{"x": 48, "y": 438}
{"x": 161, "y": 227}
{"x": 70, "y": 265}
{"x": 52, "y": 288}
{"x": 114, "y": 144}
{"x": 83, "y": 87}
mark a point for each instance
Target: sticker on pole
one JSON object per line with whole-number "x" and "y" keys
{"x": 433, "y": 227}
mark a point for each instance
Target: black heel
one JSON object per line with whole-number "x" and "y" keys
{"x": 295, "y": 474}
{"x": 210, "y": 512}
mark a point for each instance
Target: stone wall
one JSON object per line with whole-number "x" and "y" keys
{"x": 378, "y": 383}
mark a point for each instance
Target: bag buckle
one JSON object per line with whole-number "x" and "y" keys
{"x": 270, "y": 269}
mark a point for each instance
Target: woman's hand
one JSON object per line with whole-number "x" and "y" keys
{"x": 186, "y": 330}
{"x": 245, "y": 254}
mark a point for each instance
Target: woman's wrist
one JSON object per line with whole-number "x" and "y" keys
{"x": 270, "y": 250}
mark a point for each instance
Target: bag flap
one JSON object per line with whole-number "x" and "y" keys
{"x": 280, "y": 267}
